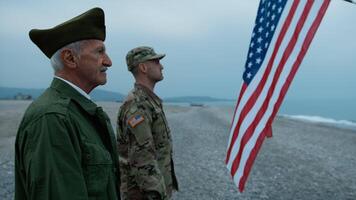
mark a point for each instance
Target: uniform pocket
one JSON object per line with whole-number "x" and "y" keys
{"x": 97, "y": 167}
{"x": 160, "y": 125}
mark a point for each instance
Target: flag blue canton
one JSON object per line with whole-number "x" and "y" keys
{"x": 269, "y": 13}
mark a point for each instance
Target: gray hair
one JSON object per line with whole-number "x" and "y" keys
{"x": 56, "y": 60}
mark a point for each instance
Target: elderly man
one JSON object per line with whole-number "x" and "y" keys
{"x": 144, "y": 138}
{"x": 65, "y": 146}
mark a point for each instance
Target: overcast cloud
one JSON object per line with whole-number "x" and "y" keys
{"x": 206, "y": 43}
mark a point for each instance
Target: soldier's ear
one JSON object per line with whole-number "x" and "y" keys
{"x": 68, "y": 58}
{"x": 142, "y": 67}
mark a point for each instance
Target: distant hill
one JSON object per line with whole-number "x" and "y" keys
{"x": 193, "y": 99}
{"x": 10, "y": 93}
{"x": 104, "y": 95}
{"x": 96, "y": 94}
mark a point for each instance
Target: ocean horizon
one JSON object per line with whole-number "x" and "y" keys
{"x": 337, "y": 112}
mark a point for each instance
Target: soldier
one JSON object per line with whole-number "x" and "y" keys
{"x": 144, "y": 138}
{"x": 65, "y": 146}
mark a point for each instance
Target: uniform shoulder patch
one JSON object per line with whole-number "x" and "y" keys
{"x": 136, "y": 120}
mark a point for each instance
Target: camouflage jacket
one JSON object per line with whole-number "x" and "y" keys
{"x": 145, "y": 147}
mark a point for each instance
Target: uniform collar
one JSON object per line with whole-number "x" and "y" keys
{"x": 149, "y": 93}
{"x": 75, "y": 87}
{"x": 67, "y": 91}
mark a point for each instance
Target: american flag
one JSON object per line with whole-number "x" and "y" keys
{"x": 282, "y": 34}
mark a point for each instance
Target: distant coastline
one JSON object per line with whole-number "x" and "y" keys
{"x": 7, "y": 93}
{"x": 103, "y": 95}
{"x": 335, "y": 111}
{"x": 195, "y": 99}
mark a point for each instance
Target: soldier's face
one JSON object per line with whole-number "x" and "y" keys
{"x": 154, "y": 70}
{"x": 93, "y": 63}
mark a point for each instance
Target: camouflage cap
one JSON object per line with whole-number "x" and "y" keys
{"x": 89, "y": 25}
{"x": 141, "y": 54}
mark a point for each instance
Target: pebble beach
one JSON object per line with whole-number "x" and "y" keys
{"x": 302, "y": 160}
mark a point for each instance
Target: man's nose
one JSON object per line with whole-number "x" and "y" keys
{"x": 107, "y": 61}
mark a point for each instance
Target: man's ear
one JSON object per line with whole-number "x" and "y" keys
{"x": 68, "y": 58}
{"x": 142, "y": 67}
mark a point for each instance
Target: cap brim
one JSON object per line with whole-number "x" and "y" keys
{"x": 158, "y": 56}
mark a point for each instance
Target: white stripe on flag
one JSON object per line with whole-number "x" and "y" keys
{"x": 282, "y": 79}
{"x": 253, "y": 85}
{"x": 280, "y": 57}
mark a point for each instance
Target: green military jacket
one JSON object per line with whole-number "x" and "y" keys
{"x": 65, "y": 149}
{"x": 145, "y": 148}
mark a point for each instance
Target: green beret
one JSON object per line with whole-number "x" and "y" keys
{"x": 141, "y": 54}
{"x": 89, "y": 25}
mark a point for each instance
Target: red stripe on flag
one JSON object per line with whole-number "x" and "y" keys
{"x": 285, "y": 87}
{"x": 251, "y": 129}
{"x": 242, "y": 91}
{"x": 250, "y": 161}
{"x": 257, "y": 92}
{"x": 300, "y": 57}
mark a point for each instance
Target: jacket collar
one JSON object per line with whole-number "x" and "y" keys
{"x": 148, "y": 92}
{"x": 67, "y": 91}
{"x": 74, "y": 86}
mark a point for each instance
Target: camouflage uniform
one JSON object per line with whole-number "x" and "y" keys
{"x": 145, "y": 147}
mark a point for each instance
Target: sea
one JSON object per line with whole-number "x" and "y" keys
{"x": 335, "y": 112}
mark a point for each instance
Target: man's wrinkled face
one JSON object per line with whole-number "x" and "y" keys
{"x": 93, "y": 63}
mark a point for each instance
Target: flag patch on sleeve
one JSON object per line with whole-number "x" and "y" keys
{"x": 136, "y": 120}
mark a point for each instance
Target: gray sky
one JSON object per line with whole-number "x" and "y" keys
{"x": 206, "y": 43}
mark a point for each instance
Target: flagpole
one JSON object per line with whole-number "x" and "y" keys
{"x": 351, "y": 1}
